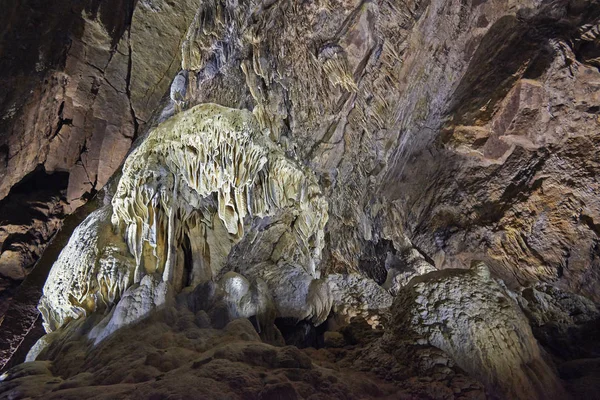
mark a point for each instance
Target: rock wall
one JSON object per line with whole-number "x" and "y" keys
{"x": 306, "y": 163}
{"x": 510, "y": 162}
{"x": 80, "y": 83}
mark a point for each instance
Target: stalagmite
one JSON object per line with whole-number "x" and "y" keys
{"x": 476, "y": 320}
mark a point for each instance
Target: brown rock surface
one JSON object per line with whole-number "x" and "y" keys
{"x": 170, "y": 355}
{"x": 512, "y": 177}
{"x": 68, "y": 108}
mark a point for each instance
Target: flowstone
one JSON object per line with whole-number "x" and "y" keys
{"x": 476, "y": 321}
{"x": 90, "y": 274}
{"x": 186, "y": 197}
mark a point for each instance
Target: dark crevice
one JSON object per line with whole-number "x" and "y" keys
{"x": 372, "y": 260}
{"x": 128, "y": 81}
{"x": 38, "y": 181}
{"x": 61, "y": 121}
{"x": 20, "y": 319}
{"x": 188, "y": 263}
{"x": 301, "y": 334}
{"x": 589, "y": 222}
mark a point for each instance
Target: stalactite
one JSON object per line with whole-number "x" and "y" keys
{"x": 335, "y": 64}
{"x": 211, "y": 149}
{"x": 199, "y": 176}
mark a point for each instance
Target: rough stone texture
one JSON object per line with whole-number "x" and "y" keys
{"x": 183, "y": 196}
{"x": 478, "y": 324}
{"x": 437, "y": 131}
{"x": 90, "y": 274}
{"x": 568, "y": 325}
{"x": 21, "y": 322}
{"x": 158, "y": 28}
{"x": 170, "y": 355}
{"x": 69, "y": 104}
{"x": 354, "y": 295}
{"x": 401, "y": 269}
{"x": 511, "y": 176}
{"x": 28, "y": 219}
{"x": 80, "y": 118}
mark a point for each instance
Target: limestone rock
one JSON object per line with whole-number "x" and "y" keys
{"x": 401, "y": 269}
{"x": 29, "y": 219}
{"x": 334, "y": 339}
{"x": 90, "y": 274}
{"x": 210, "y": 150}
{"x": 245, "y": 300}
{"x": 566, "y": 324}
{"x": 354, "y": 295}
{"x": 157, "y": 27}
{"x": 473, "y": 319}
{"x": 333, "y": 152}
{"x": 164, "y": 355}
{"x": 518, "y": 126}
{"x": 544, "y": 303}
{"x": 69, "y": 75}
{"x": 137, "y": 302}
{"x": 200, "y": 173}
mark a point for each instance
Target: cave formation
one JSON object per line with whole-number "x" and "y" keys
{"x": 300, "y": 200}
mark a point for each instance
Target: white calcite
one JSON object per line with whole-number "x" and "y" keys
{"x": 400, "y": 270}
{"x": 475, "y": 320}
{"x": 137, "y": 302}
{"x": 90, "y": 274}
{"x": 210, "y": 161}
{"x": 184, "y": 199}
{"x": 355, "y": 295}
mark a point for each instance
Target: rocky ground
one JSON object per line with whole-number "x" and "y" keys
{"x": 192, "y": 349}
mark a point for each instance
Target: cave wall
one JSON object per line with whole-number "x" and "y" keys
{"x": 457, "y": 92}
{"x": 511, "y": 172}
{"x": 443, "y": 131}
{"x": 80, "y": 82}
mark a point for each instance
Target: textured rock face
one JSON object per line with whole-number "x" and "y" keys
{"x": 91, "y": 273}
{"x": 79, "y": 85}
{"x": 478, "y": 324}
{"x": 565, "y": 323}
{"x": 30, "y": 217}
{"x": 302, "y": 164}
{"x": 184, "y": 196}
{"x": 181, "y": 354}
{"x": 518, "y": 141}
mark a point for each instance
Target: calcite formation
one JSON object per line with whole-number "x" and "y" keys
{"x": 80, "y": 81}
{"x": 354, "y": 295}
{"x": 91, "y": 273}
{"x": 477, "y": 322}
{"x": 192, "y": 185}
{"x": 315, "y": 176}
{"x": 202, "y": 173}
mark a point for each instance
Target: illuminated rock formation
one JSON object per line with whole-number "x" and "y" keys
{"x": 319, "y": 175}
{"x": 91, "y": 273}
{"x": 181, "y": 204}
{"x": 477, "y": 322}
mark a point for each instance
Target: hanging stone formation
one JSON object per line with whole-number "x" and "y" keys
{"x": 181, "y": 204}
